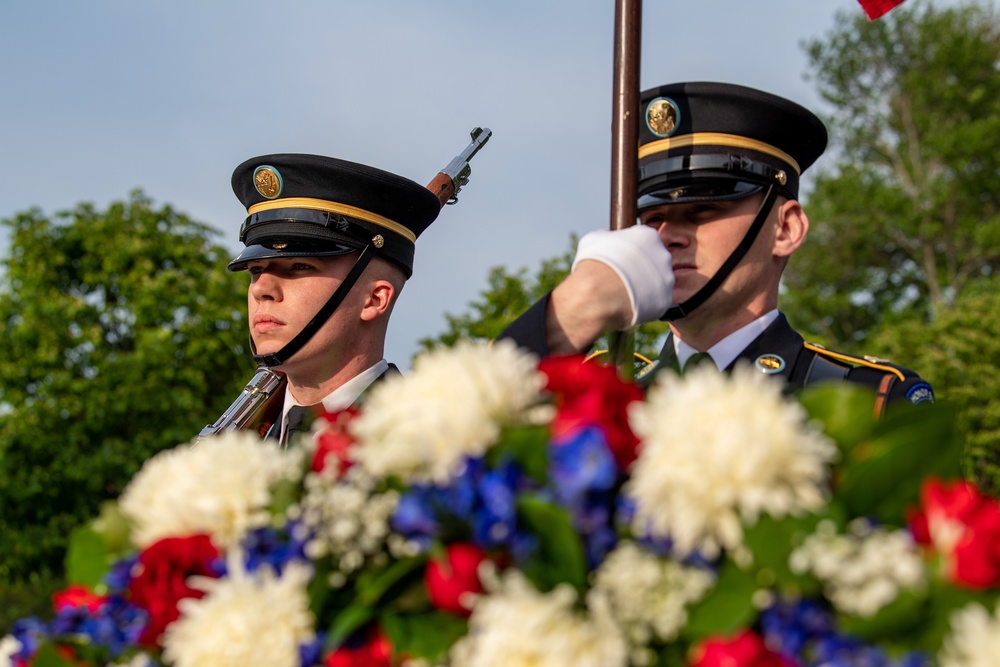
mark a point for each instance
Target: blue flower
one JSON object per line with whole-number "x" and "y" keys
{"x": 116, "y": 625}
{"x": 580, "y": 464}
{"x": 275, "y": 549}
{"x": 119, "y": 576}
{"x": 30, "y": 633}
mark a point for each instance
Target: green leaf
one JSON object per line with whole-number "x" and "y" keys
{"x": 883, "y": 476}
{"x": 372, "y": 586}
{"x": 897, "y": 619}
{"x": 772, "y": 540}
{"x": 527, "y": 445}
{"x": 87, "y": 557}
{"x": 48, "y": 656}
{"x": 844, "y": 410}
{"x": 727, "y": 607}
{"x": 943, "y": 601}
{"x": 283, "y": 495}
{"x": 114, "y": 528}
{"x": 346, "y": 622}
{"x": 427, "y": 636}
{"x": 560, "y": 556}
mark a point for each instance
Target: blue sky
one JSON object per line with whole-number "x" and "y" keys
{"x": 104, "y": 96}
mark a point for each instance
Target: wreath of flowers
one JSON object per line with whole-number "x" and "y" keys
{"x": 487, "y": 509}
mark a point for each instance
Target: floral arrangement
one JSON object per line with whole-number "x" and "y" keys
{"x": 490, "y": 510}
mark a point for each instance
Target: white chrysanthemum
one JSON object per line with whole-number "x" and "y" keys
{"x": 245, "y": 619}
{"x": 974, "y": 640}
{"x": 517, "y": 626}
{"x": 221, "y": 487}
{"x": 864, "y": 570}
{"x": 453, "y": 403}
{"x": 648, "y": 594}
{"x": 718, "y": 450}
{"x": 9, "y": 645}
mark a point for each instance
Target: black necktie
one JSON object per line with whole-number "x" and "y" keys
{"x": 298, "y": 419}
{"x": 695, "y": 360}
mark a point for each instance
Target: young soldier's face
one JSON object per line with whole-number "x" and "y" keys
{"x": 700, "y": 237}
{"x": 286, "y": 293}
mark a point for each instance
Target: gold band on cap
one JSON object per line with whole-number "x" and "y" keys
{"x": 716, "y": 139}
{"x": 334, "y": 207}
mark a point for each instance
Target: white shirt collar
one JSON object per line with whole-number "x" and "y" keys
{"x": 343, "y": 396}
{"x": 726, "y": 350}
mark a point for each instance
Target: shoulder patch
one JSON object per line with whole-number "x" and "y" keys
{"x": 870, "y": 362}
{"x": 919, "y": 393}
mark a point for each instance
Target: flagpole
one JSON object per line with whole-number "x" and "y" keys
{"x": 625, "y": 147}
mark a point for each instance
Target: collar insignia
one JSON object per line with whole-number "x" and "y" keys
{"x": 769, "y": 364}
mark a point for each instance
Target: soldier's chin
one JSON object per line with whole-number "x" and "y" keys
{"x": 267, "y": 346}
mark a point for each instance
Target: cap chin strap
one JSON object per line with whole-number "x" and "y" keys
{"x": 318, "y": 320}
{"x": 684, "y": 309}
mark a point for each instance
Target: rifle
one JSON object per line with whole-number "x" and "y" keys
{"x": 258, "y": 406}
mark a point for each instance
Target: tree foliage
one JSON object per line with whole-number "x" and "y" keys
{"x": 123, "y": 335}
{"x": 909, "y": 215}
{"x": 959, "y": 353}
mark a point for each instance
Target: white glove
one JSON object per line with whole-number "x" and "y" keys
{"x": 639, "y": 258}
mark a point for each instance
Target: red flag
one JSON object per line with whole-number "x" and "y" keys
{"x": 876, "y": 8}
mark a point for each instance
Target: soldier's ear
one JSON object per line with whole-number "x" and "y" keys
{"x": 378, "y": 303}
{"x": 793, "y": 226}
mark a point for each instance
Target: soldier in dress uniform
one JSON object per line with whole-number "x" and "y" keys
{"x": 329, "y": 245}
{"x": 719, "y": 170}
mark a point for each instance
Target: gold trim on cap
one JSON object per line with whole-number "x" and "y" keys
{"x": 334, "y": 207}
{"x": 716, "y": 139}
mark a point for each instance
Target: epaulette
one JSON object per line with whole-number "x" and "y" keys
{"x": 871, "y": 362}
{"x": 829, "y": 365}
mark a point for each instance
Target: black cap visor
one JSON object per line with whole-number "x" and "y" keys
{"x": 722, "y": 189}
{"x": 281, "y": 249}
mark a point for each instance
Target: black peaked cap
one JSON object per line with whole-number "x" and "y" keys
{"x": 302, "y": 205}
{"x": 704, "y": 132}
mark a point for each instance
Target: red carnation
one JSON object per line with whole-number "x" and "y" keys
{"x": 448, "y": 579}
{"x": 589, "y": 394}
{"x": 162, "y": 572}
{"x": 746, "y": 649}
{"x": 77, "y": 596}
{"x": 334, "y": 439}
{"x": 963, "y": 526}
{"x": 375, "y": 652}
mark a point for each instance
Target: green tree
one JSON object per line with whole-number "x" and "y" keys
{"x": 959, "y": 354}
{"x": 123, "y": 335}
{"x": 909, "y": 215}
{"x": 510, "y": 294}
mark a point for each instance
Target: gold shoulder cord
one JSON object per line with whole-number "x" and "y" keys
{"x": 640, "y": 357}
{"x": 857, "y": 361}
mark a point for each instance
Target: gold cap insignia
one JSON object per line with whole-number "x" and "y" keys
{"x": 663, "y": 116}
{"x": 769, "y": 364}
{"x": 280, "y": 245}
{"x": 378, "y": 241}
{"x": 268, "y": 181}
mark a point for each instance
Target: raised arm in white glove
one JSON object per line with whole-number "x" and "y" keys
{"x": 641, "y": 262}
{"x": 619, "y": 279}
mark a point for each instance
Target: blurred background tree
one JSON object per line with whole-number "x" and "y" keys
{"x": 906, "y": 214}
{"x": 123, "y": 334}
